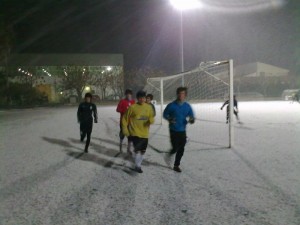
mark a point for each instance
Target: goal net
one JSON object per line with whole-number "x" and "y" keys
{"x": 209, "y": 86}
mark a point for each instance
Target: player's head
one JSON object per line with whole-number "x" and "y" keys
{"x": 128, "y": 94}
{"x": 88, "y": 97}
{"x": 181, "y": 93}
{"x": 149, "y": 98}
{"x": 234, "y": 96}
{"x": 141, "y": 97}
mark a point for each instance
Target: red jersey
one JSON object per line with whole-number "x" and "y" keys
{"x": 124, "y": 105}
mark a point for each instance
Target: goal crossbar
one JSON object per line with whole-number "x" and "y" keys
{"x": 210, "y": 82}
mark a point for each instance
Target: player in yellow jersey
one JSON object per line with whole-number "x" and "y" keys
{"x": 136, "y": 123}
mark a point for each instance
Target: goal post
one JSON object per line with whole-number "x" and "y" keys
{"x": 231, "y": 103}
{"x": 209, "y": 86}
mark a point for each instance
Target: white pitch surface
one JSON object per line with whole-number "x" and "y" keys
{"x": 45, "y": 178}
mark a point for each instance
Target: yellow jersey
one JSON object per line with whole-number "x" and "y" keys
{"x": 137, "y": 119}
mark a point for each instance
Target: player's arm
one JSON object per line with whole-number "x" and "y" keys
{"x": 119, "y": 107}
{"x": 225, "y": 103}
{"x": 125, "y": 122}
{"x": 154, "y": 110}
{"x": 79, "y": 113}
{"x": 168, "y": 114}
{"x": 191, "y": 115}
{"x": 151, "y": 116}
{"x": 95, "y": 114}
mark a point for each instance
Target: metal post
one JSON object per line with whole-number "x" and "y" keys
{"x": 181, "y": 42}
{"x": 161, "y": 99}
{"x": 181, "y": 47}
{"x": 231, "y": 106}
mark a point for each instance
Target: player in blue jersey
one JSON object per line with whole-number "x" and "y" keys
{"x": 179, "y": 113}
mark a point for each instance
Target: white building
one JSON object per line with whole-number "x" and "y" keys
{"x": 259, "y": 69}
{"x": 43, "y": 70}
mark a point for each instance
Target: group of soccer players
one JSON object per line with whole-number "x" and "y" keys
{"x": 135, "y": 120}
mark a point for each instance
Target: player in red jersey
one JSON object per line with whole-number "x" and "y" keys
{"x": 122, "y": 108}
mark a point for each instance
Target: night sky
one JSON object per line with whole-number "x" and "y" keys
{"x": 147, "y": 31}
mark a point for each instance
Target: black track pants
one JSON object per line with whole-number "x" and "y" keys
{"x": 178, "y": 141}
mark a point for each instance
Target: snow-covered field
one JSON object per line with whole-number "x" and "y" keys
{"x": 46, "y": 179}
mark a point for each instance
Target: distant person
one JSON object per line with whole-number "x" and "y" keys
{"x": 177, "y": 113}
{"x": 149, "y": 99}
{"x": 235, "y": 109}
{"x": 122, "y": 108}
{"x": 85, "y": 113}
{"x": 295, "y": 97}
{"x": 136, "y": 123}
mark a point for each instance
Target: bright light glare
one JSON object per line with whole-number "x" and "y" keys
{"x": 109, "y": 68}
{"x": 186, "y": 4}
{"x": 234, "y": 6}
{"x": 87, "y": 88}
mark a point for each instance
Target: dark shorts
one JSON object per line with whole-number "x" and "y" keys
{"x": 139, "y": 144}
{"x": 86, "y": 127}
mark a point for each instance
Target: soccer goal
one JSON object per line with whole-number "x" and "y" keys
{"x": 209, "y": 86}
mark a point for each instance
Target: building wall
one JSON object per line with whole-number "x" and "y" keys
{"x": 36, "y": 63}
{"x": 270, "y": 71}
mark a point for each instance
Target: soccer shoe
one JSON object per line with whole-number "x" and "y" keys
{"x": 138, "y": 169}
{"x": 177, "y": 169}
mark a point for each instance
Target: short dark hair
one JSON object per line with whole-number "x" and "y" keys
{"x": 140, "y": 94}
{"x": 128, "y": 92}
{"x": 181, "y": 89}
{"x": 150, "y": 96}
{"x": 88, "y": 95}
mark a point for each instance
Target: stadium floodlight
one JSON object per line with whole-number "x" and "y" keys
{"x": 186, "y": 4}
{"x": 109, "y": 68}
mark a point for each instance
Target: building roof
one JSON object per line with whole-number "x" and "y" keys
{"x": 66, "y": 59}
{"x": 254, "y": 69}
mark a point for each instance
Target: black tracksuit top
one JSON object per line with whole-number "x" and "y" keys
{"x": 85, "y": 112}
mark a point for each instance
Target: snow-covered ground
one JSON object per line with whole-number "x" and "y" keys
{"x": 46, "y": 179}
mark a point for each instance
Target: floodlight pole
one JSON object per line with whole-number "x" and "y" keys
{"x": 181, "y": 47}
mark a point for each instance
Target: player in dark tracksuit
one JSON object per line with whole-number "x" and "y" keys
{"x": 149, "y": 99}
{"x": 177, "y": 113}
{"x": 235, "y": 109}
{"x": 85, "y": 113}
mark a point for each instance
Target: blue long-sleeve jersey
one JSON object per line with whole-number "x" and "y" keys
{"x": 177, "y": 114}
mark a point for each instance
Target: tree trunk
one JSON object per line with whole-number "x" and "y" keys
{"x": 79, "y": 95}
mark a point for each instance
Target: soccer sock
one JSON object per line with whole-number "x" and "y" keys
{"x": 138, "y": 159}
{"x": 141, "y": 160}
{"x": 129, "y": 145}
